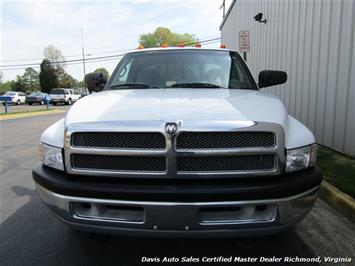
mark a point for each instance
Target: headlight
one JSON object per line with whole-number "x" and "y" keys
{"x": 301, "y": 158}
{"x": 51, "y": 156}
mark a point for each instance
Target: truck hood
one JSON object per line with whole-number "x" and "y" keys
{"x": 172, "y": 105}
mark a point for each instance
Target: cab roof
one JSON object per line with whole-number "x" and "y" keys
{"x": 178, "y": 48}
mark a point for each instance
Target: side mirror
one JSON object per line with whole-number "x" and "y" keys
{"x": 269, "y": 78}
{"x": 95, "y": 81}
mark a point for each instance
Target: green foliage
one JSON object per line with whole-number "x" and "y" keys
{"x": 57, "y": 60}
{"x": 31, "y": 80}
{"x": 20, "y": 84}
{"x": 48, "y": 77}
{"x": 67, "y": 81}
{"x": 104, "y": 71}
{"x": 81, "y": 84}
{"x": 52, "y": 75}
{"x": 338, "y": 169}
{"x": 163, "y": 35}
{"x": 6, "y": 86}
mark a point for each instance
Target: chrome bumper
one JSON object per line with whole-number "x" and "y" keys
{"x": 227, "y": 218}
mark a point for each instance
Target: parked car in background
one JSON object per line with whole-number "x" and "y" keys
{"x": 61, "y": 95}
{"x": 38, "y": 97}
{"x": 13, "y": 97}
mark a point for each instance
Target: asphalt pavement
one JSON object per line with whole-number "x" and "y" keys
{"x": 31, "y": 235}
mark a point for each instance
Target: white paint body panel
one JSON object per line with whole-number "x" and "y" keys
{"x": 190, "y": 105}
{"x": 177, "y": 104}
{"x": 54, "y": 135}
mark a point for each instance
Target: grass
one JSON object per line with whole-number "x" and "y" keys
{"x": 338, "y": 169}
{"x": 27, "y": 111}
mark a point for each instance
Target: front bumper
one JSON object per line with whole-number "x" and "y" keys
{"x": 59, "y": 100}
{"x": 256, "y": 214}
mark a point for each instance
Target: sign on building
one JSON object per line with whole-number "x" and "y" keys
{"x": 244, "y": 41}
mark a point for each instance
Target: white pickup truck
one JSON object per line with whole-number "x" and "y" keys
{"x": 179, "y": 142}
{"x": 65, "y": 96}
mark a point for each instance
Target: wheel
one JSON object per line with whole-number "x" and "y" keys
{"x": 18, "y": 102}
{"x": 69, "y": 102}
{"x": 54, "y": 103}
{"x": 29, "y": 103}
{"x": 42, "y": 102}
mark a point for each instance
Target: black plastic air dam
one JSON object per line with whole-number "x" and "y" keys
{"x": 252, "y": 188}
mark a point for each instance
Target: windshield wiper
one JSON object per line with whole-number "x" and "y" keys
{"x": 195, "y": 85}
{"x": 132, "y": 85}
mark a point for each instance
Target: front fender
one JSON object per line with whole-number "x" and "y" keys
{"x": 54, "y": 134}
{"x": 297, "y": 134}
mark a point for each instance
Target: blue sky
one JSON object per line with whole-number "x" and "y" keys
{"x": 109, "y": 28}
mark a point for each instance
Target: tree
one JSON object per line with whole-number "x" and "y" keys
{"x": 67, "y": 81}
{"x": 163, "y": 35}
{"x": 7, "y": 86}
{"x": 19, "y": 84}
{"x": 31, "y": 79}
{"x": 55, "y": 56}
{"x": 104, "y": 71}
{"x": 81, "y": 84}
{"x": 48, "y": 77}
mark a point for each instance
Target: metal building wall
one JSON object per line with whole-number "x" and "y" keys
{"x": 313, "y": 41}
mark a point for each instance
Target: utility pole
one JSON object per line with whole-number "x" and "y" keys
{"x": 223, "y": 7}
{"x": 82, "y": 51}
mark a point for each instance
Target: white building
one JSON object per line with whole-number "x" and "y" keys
{"x": 313, "y": 41}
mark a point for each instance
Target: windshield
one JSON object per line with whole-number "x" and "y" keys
{"x": 35, "y": 94}
{"x": 10, "y": 94}
{"x": 58, "y": 91}
{"x": 182, "y": 69}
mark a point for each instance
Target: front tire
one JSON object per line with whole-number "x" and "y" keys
{"x": 69, "y": 102}
{"x": 18, "y": 102}
{"x": 54, "y": 103}
{"x": 29, "y": 103}
{"x": 41, "y": 103}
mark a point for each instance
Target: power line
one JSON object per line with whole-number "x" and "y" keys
{"x": 69, "y": 56}
{"x": 70, "y": 64}
{"x": 93, "y": 59}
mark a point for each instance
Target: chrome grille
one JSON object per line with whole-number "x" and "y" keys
{"x": 142, "y": 149}
{"x": 240, "y": 163}
{"x": 118, "y": 163}
{"x": 224, "y": 140}
{"x": 119, "y": 140}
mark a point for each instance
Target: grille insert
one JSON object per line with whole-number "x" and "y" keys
{"x": 224, "y": 140}
{"x": 119, "y": 140}
{"x": 239, "y": 163}
{"x": 118, "y": 163}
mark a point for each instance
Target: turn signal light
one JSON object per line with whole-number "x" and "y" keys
{"x": 164, "y": 45}
{"x": 181, "y": 44}
{"x": 223, "y": 46}
{"x": 198, "y": 45}
{"x": 140, "y": 47}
